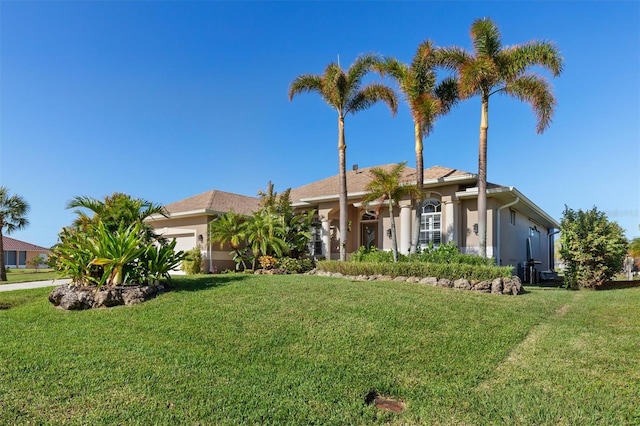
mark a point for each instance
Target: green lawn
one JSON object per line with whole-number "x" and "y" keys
{"x": 301, "y": 350}
{"x": 20, "y": 275}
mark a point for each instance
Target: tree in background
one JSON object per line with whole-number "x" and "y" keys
{"x": 634, "y": 247}
{"x": 36, "y": 261}
{"x": 593, "y": 248}
{"x": 387, "y": 186}
{"x": 427, "y": 101}
{"x": 13, "y": 211}
{"x": 493, "y": 69}
{"x": 297, "y": 225}
{"x": 344, "y": 92}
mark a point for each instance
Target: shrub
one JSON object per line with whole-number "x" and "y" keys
{"x": 452, "y": 271}
{"x": 591, "y": 246}
{"x": 295, "y": 266}
{"x": 267, "y": 262}
{"x": 192, "y": 263}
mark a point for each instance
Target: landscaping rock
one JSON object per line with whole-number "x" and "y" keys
{"x": 76, "y": 297}
{"x": 496, "y": 286}
{"x": 482, "y": 286}
{"x": 462, "y": 284}
{"x": 429, "y": 281}
{"x": 444, "y": 282}
{"x": 400, "y": 278}
{"x": 413, "y": 280}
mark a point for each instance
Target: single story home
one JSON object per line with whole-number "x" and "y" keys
{"x": 17, "y": 254}
{"x": 517, "y": 229}
{"x": 187, "y": 221}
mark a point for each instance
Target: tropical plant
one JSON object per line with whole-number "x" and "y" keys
{"x": 297, "y": 225}
{"x": 264, "y": 232}
{"x": 13, "y": 211}
{"x": 344, "y": 92}
{"x": 116, "y": 209}
{"x": 493, "y": 69}
{"x": 592, "y": 247}
{"x": 158, "y": 260}
{"x": 229, "y": 228}
{"x": 387, "y": 186}
{"x": 122, "y": 250}
{"x": 115, "y": 251}
{"x": 427, "y": 101}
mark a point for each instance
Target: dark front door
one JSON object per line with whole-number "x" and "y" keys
{"x": 369, "y": 235}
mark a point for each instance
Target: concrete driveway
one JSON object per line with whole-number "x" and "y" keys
{"x": 33, "y": 284}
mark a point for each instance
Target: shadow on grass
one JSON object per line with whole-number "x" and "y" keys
{"x": 203, "y": 282}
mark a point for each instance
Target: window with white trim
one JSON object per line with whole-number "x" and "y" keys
{"x": 431, "y": 223}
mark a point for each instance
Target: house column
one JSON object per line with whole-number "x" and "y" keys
{"x": 405, "y": 227}
{"x": 326, "y": 239}
{"x": 451, "y": 220}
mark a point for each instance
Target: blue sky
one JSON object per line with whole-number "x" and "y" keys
{"x": 163, "y": 100}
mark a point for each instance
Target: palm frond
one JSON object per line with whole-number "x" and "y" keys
{"x": 536, "y": 91}
{"x": 485, "y": 38}
{"x": 371, "y": 94}
{"x": 517, "y": 59}
{"x": 305, "y": 83}
{"x": 360, "y": 67}
{"x": 447, "y": 92}
{"x": 452, "y": 58}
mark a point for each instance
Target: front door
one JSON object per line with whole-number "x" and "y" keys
{"x": 369, "y": 235}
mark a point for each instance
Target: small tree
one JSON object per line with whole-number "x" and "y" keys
{"x": 36, "y": 262}
{"x": 592, "y": 247}
{"x": 386, "y": 186}
{"x": 13, "y": 217}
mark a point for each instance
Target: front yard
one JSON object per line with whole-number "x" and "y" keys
{"x": 285, "y": 349}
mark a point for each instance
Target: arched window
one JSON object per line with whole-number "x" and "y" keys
{"x": 431, "y": 223}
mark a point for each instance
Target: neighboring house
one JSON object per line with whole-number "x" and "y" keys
{"x": 188, "y": 221}
{"x": 517, "y": 229}
{"x": 17, "y": 254}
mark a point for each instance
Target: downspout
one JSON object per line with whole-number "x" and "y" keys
{"x": 498, "y": 254}
{"x": 552, "y": 249}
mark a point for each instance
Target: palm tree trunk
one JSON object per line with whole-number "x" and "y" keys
{"x": 394, "y": 241}
{"x": 342, "y": 154}
{"x": 3, "y": 269}
{"x": 419, "y": 183}
{"x": 482, "y": 178}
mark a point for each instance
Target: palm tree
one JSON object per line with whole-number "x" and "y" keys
{"x": 13, "y": 210}
{"x": 229, "y": 229}
{"x": 116, "y": 209}
{"x": 492, "y": 68}
{"x": 344, "y": 92}
{"x": 264, "y": 232}
{"x": 427, "y": 101}
{"x": 387, "y": 186}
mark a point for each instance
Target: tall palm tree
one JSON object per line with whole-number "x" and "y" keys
{"x": 13, "y": 210}
{"x": 492, "y": 68}
{"x": 344, "y": 92}
{"x": 387, "y": 186}
{"x": 427, "y": 101}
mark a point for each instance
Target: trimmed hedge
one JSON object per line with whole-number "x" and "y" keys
{"x": 452, "y": 271}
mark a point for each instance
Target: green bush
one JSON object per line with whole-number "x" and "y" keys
{"x": 295, "y": 266}
{"x": 192, "y": 263}
{"x": 452, "y": 271}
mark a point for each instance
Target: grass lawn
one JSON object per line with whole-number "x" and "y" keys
{"x": 302, "y": 350}
{"x": 21, "y": 275}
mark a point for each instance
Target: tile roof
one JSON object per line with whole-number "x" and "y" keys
{"x": 11, "y": 244}
{"x": 358, "y": 179}
{"x": 217, "y": 201}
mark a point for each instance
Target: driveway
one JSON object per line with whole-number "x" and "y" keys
{"x": 33, "y": 284}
